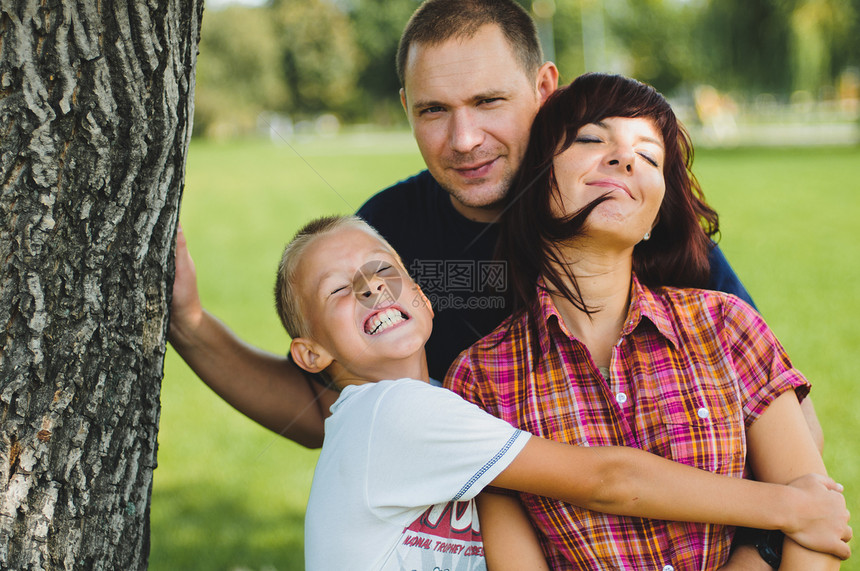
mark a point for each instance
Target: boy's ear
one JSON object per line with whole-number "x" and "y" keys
{"x": 423, "y": 299}
{"x": 427, "y": 301}
{"x": 309, "y": 355}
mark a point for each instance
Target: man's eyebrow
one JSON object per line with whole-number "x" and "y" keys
{"x": 492, "y": 94}
{"x": 427, "y": 103}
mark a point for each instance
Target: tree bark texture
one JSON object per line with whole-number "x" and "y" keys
{"x": 96, "y": 101}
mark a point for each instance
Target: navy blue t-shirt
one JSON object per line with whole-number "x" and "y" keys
{"x": 451, "y": 258}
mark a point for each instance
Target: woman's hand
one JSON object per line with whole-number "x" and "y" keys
{"x": 822, "y": 520}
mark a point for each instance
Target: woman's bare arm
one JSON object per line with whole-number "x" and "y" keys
{"x": 780, "y": 449}
{"x": 627, "y": 481}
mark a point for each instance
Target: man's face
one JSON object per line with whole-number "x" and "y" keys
{"x": 471, "y": 106}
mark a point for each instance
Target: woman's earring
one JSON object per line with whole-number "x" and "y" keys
{"x": 647, "y": 236}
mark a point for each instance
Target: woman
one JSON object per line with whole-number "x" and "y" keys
{"x": 605, "y": 349}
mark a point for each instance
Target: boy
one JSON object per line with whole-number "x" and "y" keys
{"x": 402, "y": 460}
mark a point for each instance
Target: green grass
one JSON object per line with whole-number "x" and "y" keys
{"x": 231, "y": 495}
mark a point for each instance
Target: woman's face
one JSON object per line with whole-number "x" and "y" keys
{"x": 622, "y": 157}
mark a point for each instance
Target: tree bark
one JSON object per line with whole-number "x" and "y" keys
{"x": 96, "y": 101}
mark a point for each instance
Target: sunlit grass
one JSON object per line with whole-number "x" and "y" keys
{"x": 231, "y": 495}
{"x": 791, "y": 224}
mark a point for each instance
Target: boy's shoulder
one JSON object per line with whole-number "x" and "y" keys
{"x": 399, "y": 412}
{"x": 368, "y": 394}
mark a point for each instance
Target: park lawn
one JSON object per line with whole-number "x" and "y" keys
{"x": 230, "y": 495}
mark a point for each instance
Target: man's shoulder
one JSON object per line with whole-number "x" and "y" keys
{"x": 505, "y": 340}
{"x": 723, "y": 277}
{"x": 406, "y": 193}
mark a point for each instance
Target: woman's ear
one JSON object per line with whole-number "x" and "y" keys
{"x": 310, "y": 355}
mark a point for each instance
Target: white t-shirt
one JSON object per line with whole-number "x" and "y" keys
{"x": 395, "y": 481}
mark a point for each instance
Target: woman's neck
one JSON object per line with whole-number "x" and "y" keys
{"x": 604, "y": 282}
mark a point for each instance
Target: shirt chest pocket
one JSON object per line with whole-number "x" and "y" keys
{"x": 703, "y": 426}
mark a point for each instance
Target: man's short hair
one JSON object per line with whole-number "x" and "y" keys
{"x": 437, "y": 21}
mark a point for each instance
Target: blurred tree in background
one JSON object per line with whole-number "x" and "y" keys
{"x": 377, "y": 25}
{"x": 239, "y": 71}
{"x": 657, "y": 37}
{"x": 819, "y": 31}
{"x": 318, "y": 54}
{"x": 303, "y": 58}
{"x": 744, "y": 44}
{"x": 567, "y": 33}
{"x": 777, "y": 45}
{"x": 851, "y": 55}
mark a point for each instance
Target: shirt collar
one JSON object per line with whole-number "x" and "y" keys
{"x": 550, "y": 314}
{"x": 643, "y": 303}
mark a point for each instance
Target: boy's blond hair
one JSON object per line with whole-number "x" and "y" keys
{"x": 287, "y": 299}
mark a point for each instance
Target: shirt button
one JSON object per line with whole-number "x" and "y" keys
{"x": 668, "y": 568}
{"x": 621, "y": 398}
{"x": 703, "y": 413}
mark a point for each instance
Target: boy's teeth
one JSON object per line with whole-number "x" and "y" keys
{"x": 383, "y": 320}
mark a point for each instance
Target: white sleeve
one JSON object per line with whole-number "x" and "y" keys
{"x": 429, "y": 446}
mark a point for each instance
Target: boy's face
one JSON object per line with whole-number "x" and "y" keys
{"x": 361, "y": 306}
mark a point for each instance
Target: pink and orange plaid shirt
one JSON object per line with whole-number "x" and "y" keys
{"x": 692, "y": 371}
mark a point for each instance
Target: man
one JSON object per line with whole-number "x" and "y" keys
{"x": 473, "y": 78}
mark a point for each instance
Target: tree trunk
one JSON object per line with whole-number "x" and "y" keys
{"x": 96, "y": 100}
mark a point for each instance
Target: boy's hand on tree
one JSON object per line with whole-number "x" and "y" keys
{"x": 186, "y": 312}
{"x": 822, "y": 520}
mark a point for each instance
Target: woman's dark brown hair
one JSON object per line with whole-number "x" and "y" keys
{"x": 677, "y": 252}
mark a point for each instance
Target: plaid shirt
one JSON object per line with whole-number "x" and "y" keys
{"x": 691, "y": 372}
